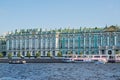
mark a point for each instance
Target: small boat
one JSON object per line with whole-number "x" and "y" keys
{"x": 111, "y": 61}
{"x": 68, "y": 60}
{"x": 76, "y": 60}
{"x": 99, "y": 62}
{"x": 82, "y": 60}
{"x": 17, "y": 62}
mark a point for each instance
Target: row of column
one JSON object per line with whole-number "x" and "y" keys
{"x": 32, "y": 43}
{"x": 87, "y": 43}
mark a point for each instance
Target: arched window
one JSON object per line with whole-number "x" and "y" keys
{"x": 23, "y": 53}
{"x": 109, "y": 52}
{"x": 43, "y": 53}
{"x": 103, "y": 51}
{"x": 53, "y": 53}
{"x": 33, "y": 53}
{"x": 66, "y": 52}
{"x": 14, "y": 53}
{"x": 76, "y": 53}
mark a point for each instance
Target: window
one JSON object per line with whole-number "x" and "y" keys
{"x": 23, "y": 53}
{"x": 43, "y": 53}
{"x": 14, "y": 53}
{"x": 53, "y": 53}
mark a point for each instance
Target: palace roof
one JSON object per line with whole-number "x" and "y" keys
{"x": 66, "y": 30}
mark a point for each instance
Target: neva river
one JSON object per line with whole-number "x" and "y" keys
{"x": 60, "y": 71}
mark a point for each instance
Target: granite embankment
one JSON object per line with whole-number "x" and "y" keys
{"x": 34, "y": 60}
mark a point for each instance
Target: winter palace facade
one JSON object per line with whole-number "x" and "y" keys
{"x": 75, "y": 41}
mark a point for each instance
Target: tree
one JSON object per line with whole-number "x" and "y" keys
{"x": 19, "y": 54}
{"x": 38, "y": 54}
{"x": 9, "y": 55}
{"x": 117, "y": 52}
{"x": 49, "y": 54}
{"x": 1, "y": 55}
{"x": 28, "y": 54}
{"x": 95, "y": 27}
{"x": 59, "y": 54}
{"x": 70, "y": 53}
{"x": 81, "y": 53}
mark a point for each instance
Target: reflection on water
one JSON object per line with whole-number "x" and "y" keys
{"x": 60, "y": 71}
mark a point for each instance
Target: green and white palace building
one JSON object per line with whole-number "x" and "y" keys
{"x": 67, "y": 41}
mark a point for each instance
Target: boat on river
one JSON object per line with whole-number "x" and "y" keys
{"x": 84, "y": 60}
{"x": 87, "y": 59}
{"x": 68, "y": 60}
{"x": 17, "y": 62}
{"x": 76, "y": 60}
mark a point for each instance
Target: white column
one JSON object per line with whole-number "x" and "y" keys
{"x": 50, "y": 43}
{"x": 89, "y": 41}
{"x": 84, "y": 41}
{"x": 113, "y": 52}
{"x": 115, "y": 40}
{"x": 7, "y": 44}
{"x": 25, "y": 53}
{"x": 108, "y": 41}
{"x": 20, "y": 43}
{"x": 99, "y": 51}
{"x": 25, "y": 44}
{"x": 57, "y": 43}
{"x": 101, "y": 41}
{"x": 68, "y": 43}
{"x": 33, "y": 43}
{"x": 56, "y": 52}
{"x": 39, "y": 42}
{"x": 46, "y": 43}
{"x": 89, "y": 44}
{"x": 74, "y": 43}
{"x": 31, "y": 53}
{"x": 12, "y": 44}
{"x": 30, "y": 43}
{"x": 16, "y": 43}
{"x": 36, "y": 43}
{"x": 46, "y": 53}
{"x": 106, "y": 51}
{"x": 42, "y": 43}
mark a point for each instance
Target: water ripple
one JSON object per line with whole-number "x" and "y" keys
{"x": 59, "y": 71}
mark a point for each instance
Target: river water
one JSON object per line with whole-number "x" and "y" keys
{"x": 60, "y": 71}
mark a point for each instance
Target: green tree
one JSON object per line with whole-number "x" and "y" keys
{"x": 9, "y": 55}
{"x": 49, "y": 54}
{"x": 59, "y": 54}
{"x": 81, "y": 53}
{"x": 70, "y": 53}
{"x": 28, "y": 54}
{"x": 19, "y": 54}
{"x": 117, "y": 52}
{"x": 38, "y": 54}
{"x": 1, "y": 55}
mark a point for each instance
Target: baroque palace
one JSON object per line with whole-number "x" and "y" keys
{"x": 85, "y": 41}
